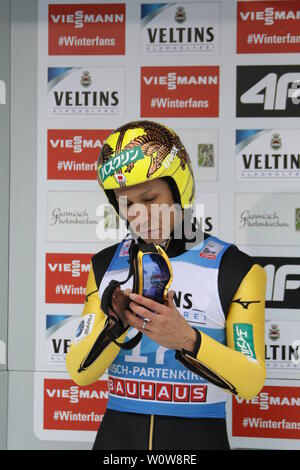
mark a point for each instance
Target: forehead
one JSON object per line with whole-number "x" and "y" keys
{"x": 141, "y": 189}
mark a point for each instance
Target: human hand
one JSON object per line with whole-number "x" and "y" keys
{"x": 167, "y": 327}
{"x": 120, "y": 300}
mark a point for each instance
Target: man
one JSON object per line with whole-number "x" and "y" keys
{"x": 205, "y": 343}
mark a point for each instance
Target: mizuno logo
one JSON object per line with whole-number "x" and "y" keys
{"x": 244, "y": 303}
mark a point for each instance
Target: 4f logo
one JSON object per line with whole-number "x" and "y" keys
{"x": 273, "y": 93}
{"x": 279, "y": 281}
{"x": 283, "y": 282}
{"x": 268, "y": 91}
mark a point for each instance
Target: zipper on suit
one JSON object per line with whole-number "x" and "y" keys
{"x": 151, "y": 432}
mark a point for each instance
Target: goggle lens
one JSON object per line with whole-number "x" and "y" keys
{"x": 156, "y": 275}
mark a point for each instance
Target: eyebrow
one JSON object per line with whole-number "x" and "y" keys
{"x": 152, "y": 192}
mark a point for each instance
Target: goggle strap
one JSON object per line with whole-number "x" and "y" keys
{"x": 117, "y": 330}
{"x": 106, "y": 296}
{"x": 132, "y": 343}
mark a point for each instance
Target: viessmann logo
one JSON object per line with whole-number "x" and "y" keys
{"x": 75, "y": 394}
{"x": 190, "y": 91}
{"x": 87, "y": 29}
{"x": 266, "y": 400}
{"x": 77, "y": 143}
{"x": 268, "y": 91}
{"x": 66, "y": 277}
{"x": 268, "y": 29}
{"x": 75, "y": 268}
{"x": 73, "y": 153}
{"x": 172, "y": 80}
{"x": 79, "y": 18}
{"x": 270, "y": 15}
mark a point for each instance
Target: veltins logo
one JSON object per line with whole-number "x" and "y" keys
{"x": 272, "y": 90}
{"x": 190, "y": 91}
{"x": 271, "y": 153}
{"x": 87, "y": 29}
{"x": 85, "y": 91}
{"x": 173, "y": 28}
{"x": 281, "y": 349}
{"x": 59, "y": 328}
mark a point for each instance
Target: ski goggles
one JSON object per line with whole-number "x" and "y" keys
{"x": 152, "y": 276}
{"x": 152, "y": 272}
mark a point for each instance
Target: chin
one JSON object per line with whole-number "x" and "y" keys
{"x": 151, "y": 240}
{"x": 156, "y": 241}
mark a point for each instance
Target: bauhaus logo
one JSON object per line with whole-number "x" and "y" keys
{"x": 272, "y": 91}
{"x": 283, "y": 282}
{"x": 157, "y": 391}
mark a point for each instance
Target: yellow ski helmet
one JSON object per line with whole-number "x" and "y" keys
{"x": 141, "y": 151}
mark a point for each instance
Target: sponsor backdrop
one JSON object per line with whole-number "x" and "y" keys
{"x": 226, "y": 76}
